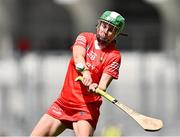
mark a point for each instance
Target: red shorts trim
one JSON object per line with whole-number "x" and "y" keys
{"x": 68, "y": 114}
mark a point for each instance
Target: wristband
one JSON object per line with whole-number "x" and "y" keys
{"x": 80, "y": 67}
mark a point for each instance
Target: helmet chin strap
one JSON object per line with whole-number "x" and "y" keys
{"x": 103, "y": 41}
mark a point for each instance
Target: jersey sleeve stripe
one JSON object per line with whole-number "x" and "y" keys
{"x": 81, "y": 38}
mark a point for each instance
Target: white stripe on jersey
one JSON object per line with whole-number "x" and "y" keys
{"x": 81, "y": 39}
{"x": 114, "y": 66}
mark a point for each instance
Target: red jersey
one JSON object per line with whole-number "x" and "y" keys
{"x": 99, "y": 61}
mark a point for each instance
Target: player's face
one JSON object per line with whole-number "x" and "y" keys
{"x": 105, "y": 32}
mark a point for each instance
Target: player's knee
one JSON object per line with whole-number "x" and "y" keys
{"x": 85, "y": 129}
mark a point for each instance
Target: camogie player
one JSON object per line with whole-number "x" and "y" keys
{"x": 96, "y": 58}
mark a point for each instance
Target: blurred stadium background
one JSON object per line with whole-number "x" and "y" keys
{"x": 35, "y": 40}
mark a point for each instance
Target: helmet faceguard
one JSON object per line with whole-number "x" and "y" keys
{"x": 113, "y": 18}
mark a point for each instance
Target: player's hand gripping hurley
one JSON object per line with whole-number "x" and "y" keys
{"x": 147, "y": 123}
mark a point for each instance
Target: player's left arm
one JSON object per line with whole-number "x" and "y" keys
{"x": 105, "y": 81}
{"x": 110, "y": 72}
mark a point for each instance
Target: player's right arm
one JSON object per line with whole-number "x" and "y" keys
{"x": 79, "y": 53}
